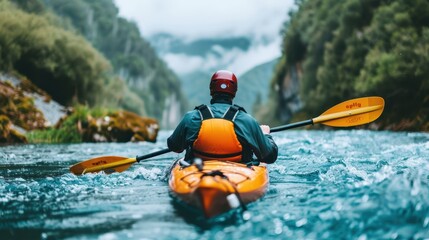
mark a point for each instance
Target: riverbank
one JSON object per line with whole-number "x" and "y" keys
{"x": 29, "y": 115}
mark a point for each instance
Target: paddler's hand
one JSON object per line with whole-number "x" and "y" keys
{"x": 265, "y": 129}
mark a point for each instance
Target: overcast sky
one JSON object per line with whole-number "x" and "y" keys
{"x": 195, "y": 19}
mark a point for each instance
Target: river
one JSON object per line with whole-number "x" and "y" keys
{"x": 343, "y": 184}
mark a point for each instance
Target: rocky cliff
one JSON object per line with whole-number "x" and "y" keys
{"x": 339, "y": 50}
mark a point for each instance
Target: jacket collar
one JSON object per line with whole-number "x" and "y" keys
{"x": 221, "y": 100}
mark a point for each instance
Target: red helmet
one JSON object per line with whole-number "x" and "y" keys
{"x": 223, "y": 82}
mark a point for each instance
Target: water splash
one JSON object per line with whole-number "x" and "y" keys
{"x": 325, "y": 185}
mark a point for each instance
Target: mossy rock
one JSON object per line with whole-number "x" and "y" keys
{"x": 9, "y": 135}
{"x": 119, "y": 126}
{"x": 19, "y": 108}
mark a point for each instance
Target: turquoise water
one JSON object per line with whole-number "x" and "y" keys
{"x": 325, "y": 185}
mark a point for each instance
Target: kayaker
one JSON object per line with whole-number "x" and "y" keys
{"x": 223, "y": 130}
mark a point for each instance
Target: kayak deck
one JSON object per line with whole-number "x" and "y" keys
{"x": 219, "y": 186}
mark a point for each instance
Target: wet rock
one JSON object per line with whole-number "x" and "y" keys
{"x": 18, "y": 112}
{"x": 24, "y": 107}
{"x": 8, "y": 134}
{"x": 120, "y": 126}
{"x": 51, "y": 110}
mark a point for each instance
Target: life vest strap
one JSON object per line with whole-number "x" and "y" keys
{"x": 230, "y": 114}
{"x": 205, "y": 112}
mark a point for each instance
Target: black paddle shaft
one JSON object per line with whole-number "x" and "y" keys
{"x": 154, "y": 154}
{"x": 292, "y": 125}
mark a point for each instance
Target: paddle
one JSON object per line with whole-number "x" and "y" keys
{"x": 350, "y": 113}
{"x": 110, "y": 164}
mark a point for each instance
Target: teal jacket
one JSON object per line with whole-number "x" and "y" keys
{"x": 250, "y": 135}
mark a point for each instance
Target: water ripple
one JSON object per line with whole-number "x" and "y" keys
{"x": 325, "y": 185}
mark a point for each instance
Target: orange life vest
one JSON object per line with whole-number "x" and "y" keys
{"x": 217, "y": 138}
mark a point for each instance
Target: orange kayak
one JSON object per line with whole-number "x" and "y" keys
{"x": 219, "y": 186}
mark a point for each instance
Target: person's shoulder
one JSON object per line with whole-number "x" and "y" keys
{"x": 243, "y": 115}
{"x": 192, "y": 114}
{"x": 241, "y": 110}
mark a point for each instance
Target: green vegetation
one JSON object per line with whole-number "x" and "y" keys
{"x": 82, "y": 52}
{"x": 133, "y": 59}
{"x": 70, "y": 129}
{"x": 63, "y": 64}
{"x": 53, "y": 135}
{"x": 356, "y": 48}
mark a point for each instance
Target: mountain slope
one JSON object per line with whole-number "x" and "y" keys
{"x": 197, "y": 60}
{"x": 254, "y": 86}
{"x": 132, "y": 57}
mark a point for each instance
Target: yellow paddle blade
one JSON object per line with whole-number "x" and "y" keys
{"x": 353, "y": 112}
{"x": 108, "y": 164}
